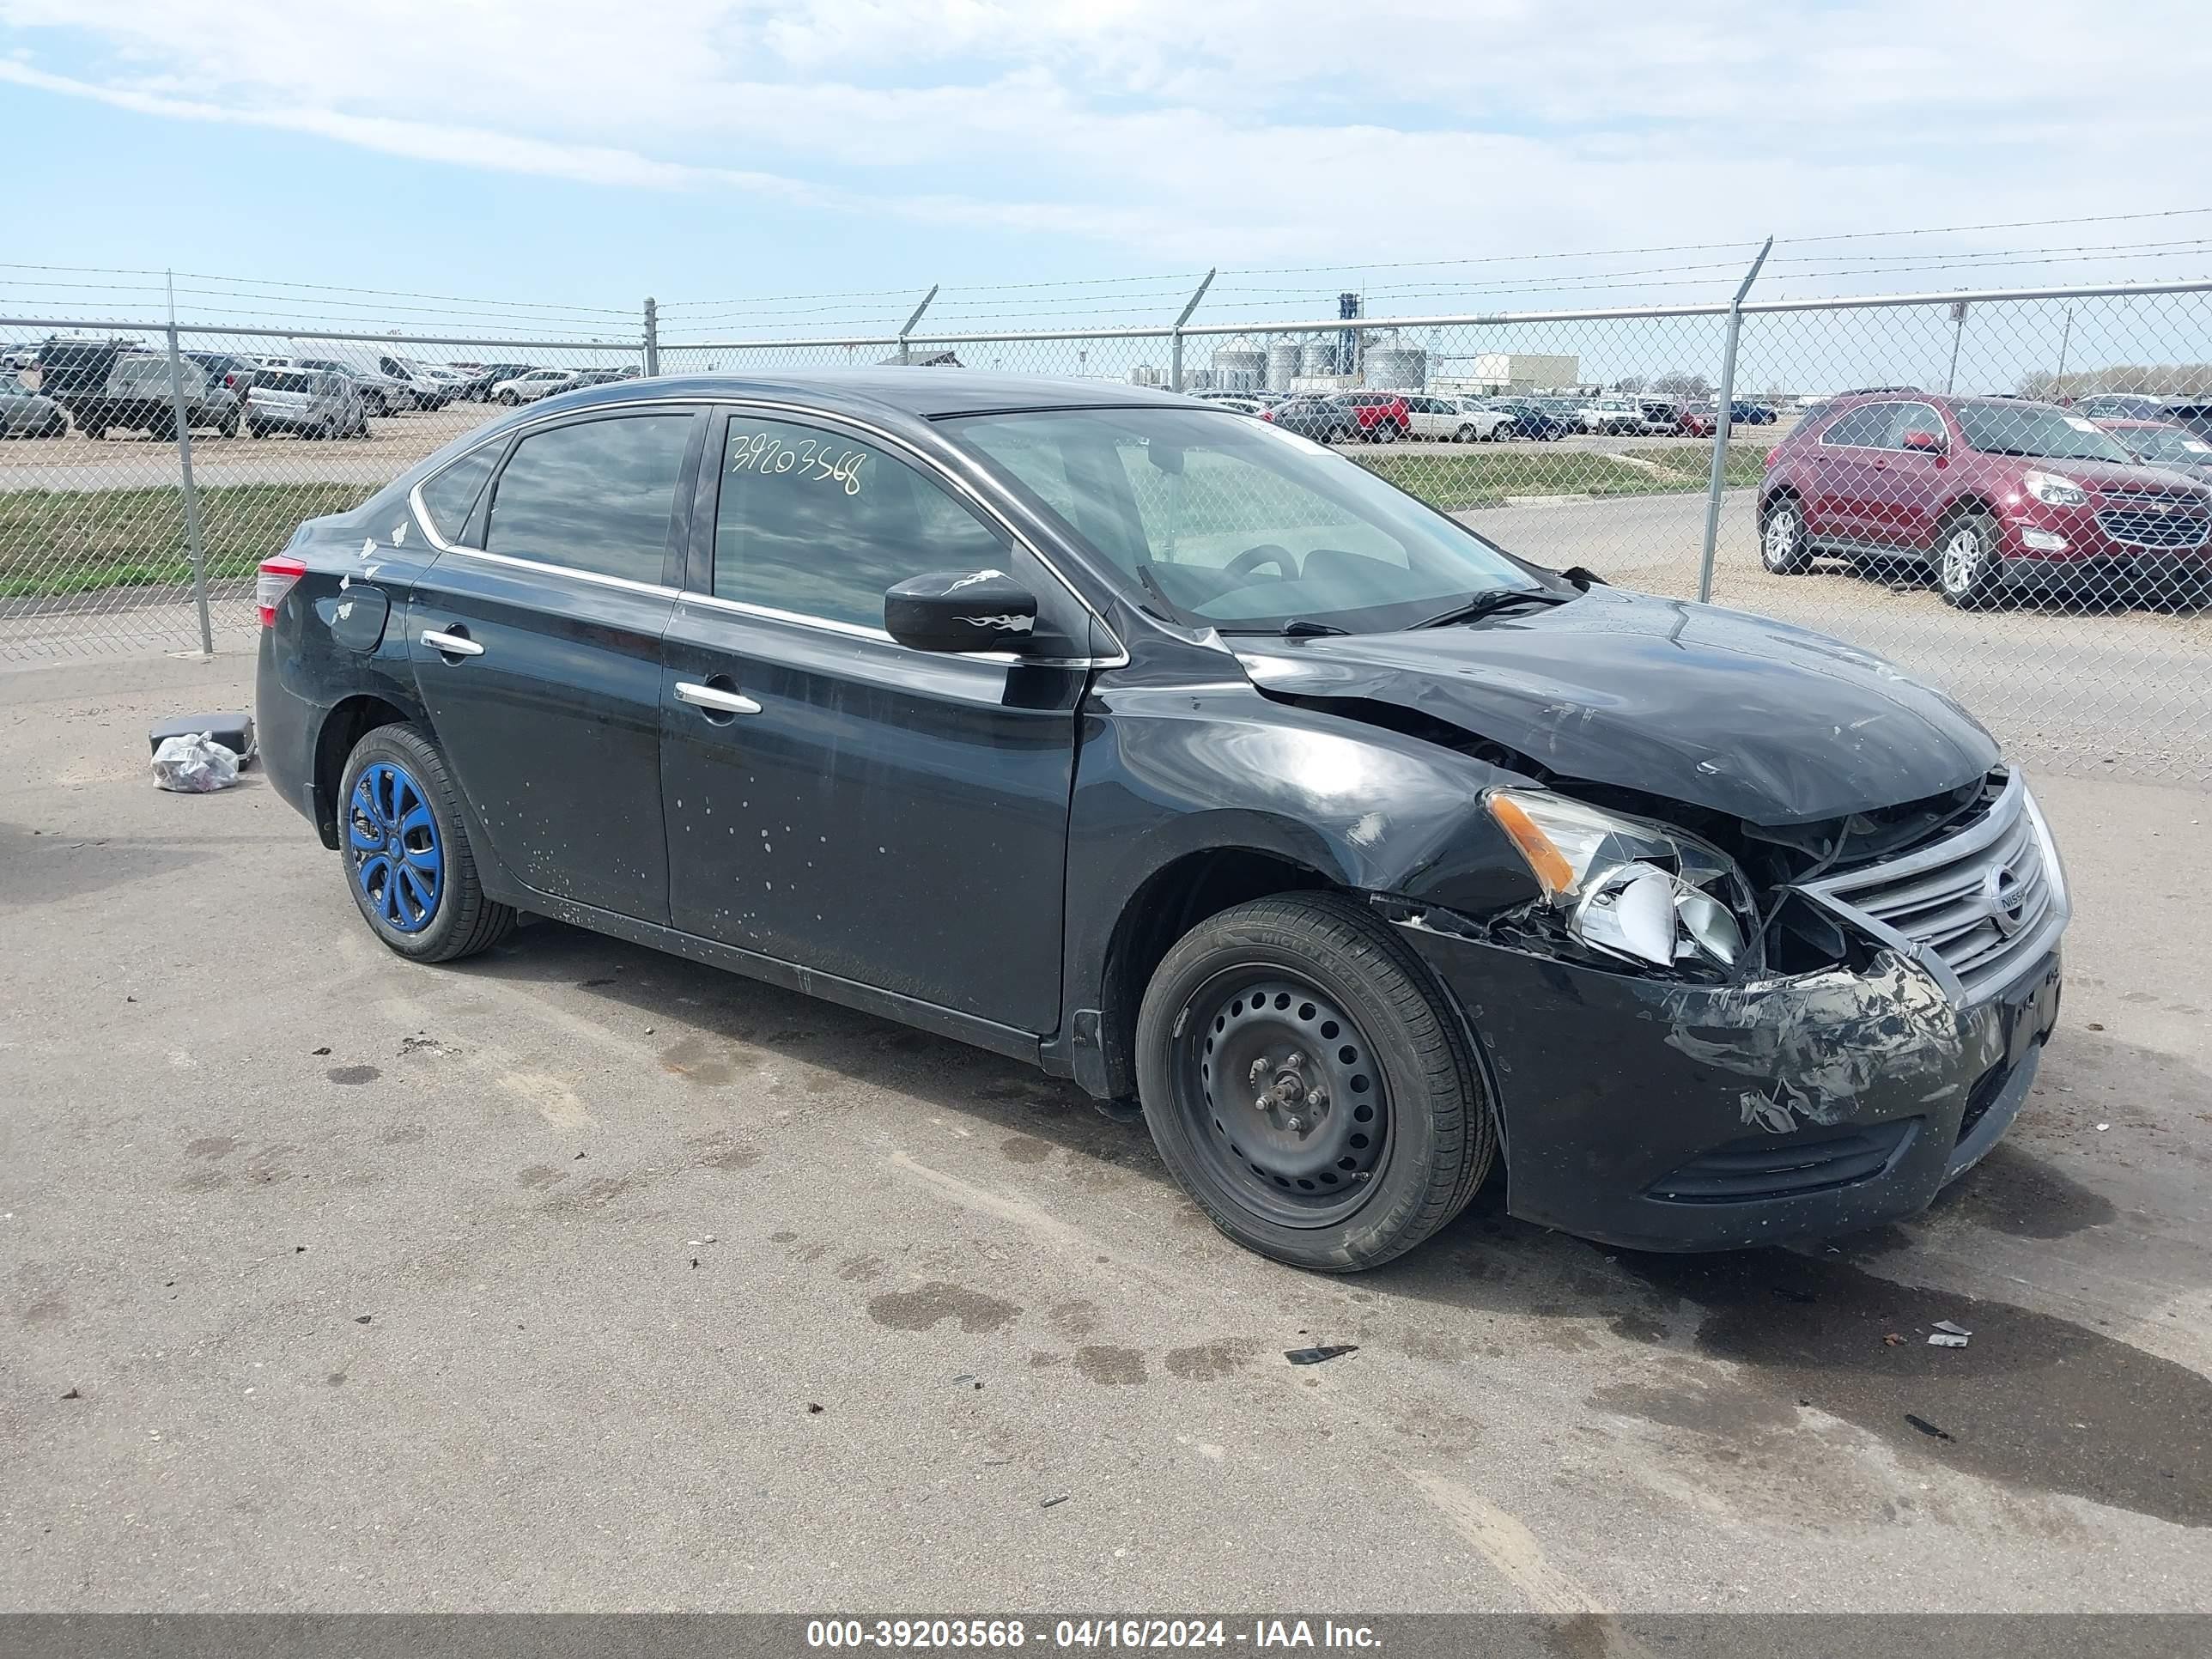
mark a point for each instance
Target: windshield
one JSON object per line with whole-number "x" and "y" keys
{"x": 2167, "y": 443}
{"x": 1998, "y": 427}
{"x": 1238, "y": 524}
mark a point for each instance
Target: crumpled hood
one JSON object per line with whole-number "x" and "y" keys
{"x": 1771, "y": 723}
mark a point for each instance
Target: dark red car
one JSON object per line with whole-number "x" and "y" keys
{"x": 1382, "y": 417}
{"x": 1997, "y": 493}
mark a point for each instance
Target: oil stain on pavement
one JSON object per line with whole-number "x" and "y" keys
{"x": 2034, "y": 1403}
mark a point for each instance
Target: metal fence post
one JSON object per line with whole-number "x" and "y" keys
{"x": 1723, "y": 409}
{"x": 182, "y": 419}
{"x": 652, "y": 339}
{"x": 907, "y": 328}
{"x": 1174, "y": 351}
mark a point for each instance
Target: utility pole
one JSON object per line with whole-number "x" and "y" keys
{"x": 2065, "y": 338}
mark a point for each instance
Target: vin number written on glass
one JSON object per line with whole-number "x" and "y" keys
{"x": 810, "y": 459}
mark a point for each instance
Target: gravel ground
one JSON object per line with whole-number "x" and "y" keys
{"x": 578, "y": 1277}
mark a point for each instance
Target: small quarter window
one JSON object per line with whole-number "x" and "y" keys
{"x": 449, "y": 496}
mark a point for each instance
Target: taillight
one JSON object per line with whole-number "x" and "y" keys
{"x": 1771, "y": 453}
{"x": 273, "y": 582}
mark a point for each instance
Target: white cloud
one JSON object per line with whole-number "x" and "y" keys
{"x": 1238, "y": 131}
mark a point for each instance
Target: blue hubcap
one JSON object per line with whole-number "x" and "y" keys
{"x": 392, "y": 843}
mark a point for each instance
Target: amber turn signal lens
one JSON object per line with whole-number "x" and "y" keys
{"x": 1553, "y": 871}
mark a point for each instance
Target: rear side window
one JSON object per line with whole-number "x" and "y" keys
{"x": 818, "y": 523}
{"x": 1866, "y": 427}
{"x": 449, "y": 497}
{"x": 597, "y": 496}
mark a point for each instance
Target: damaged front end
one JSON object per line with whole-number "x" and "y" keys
{"x": 1739, "y": 1035}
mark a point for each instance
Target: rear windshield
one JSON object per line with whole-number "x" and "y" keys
{"x": 1999, "y": 427}
{"x": 282, "y": 379}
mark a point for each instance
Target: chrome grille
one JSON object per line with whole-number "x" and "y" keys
{"x": 1974, "y": 906}
{"x": 2147, "y": 527}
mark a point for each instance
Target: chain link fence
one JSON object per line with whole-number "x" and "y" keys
{"x": 2061, "y": 435}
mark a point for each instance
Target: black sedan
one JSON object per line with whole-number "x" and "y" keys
{"x": 1530, "y": 420}
{"x": 1174, "y": 754}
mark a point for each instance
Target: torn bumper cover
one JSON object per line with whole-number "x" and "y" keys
{"x": 1663, "y": 1115}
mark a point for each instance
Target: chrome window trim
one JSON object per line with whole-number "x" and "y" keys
{"x": 860, "y": 631}
{"x": 659, "y": 590}
{"x": 928, "y": 464}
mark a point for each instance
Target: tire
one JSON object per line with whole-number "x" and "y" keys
{"x": 327, "y": 430}
{"x": 1386, "y": 432}
{"x": 509, "y": 399}
{"x": 1336, "y": 987}
{"x": 1969, "y": 569}
{"x": 255, "y": 430}
{"x": 396, "y": 795}
{"x": 94, "y": 430}
{"x": 1783, "y": 549}
{"x": 1468, "y": 435}
{"x": 228, "y": 428}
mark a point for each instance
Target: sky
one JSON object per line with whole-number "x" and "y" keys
{"x": 814, "y": 167}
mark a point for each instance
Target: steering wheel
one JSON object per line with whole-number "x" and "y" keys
{"x": 1266, "y": 553}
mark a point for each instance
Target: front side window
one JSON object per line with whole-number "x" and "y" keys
{"x": 597, "y": 496}
{"x": 1238, "y": 524}
{"x": 1996, "y": 427}
{"x": 813, "y": 522}
{"x": 1905, "y": 419}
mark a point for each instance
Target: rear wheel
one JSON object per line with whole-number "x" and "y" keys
{"x": 1468, "y": 435}
{"x": 408, "y": 861}
{"x": 1781, "y": 546}
{"x": 1969, "y": 569}
{"x": 1308, "y": 1086}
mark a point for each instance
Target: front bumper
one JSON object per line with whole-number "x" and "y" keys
{"x": 1666, "y": 1116}
{"x": 2110, "y": 542}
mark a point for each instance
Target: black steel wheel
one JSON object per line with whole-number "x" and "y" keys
{"x": 1308, "y": 1084}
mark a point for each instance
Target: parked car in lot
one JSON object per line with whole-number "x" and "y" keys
{"x": 1232, "y": 809}
{"x": 308, "y": 403}
{"x": 138, "y": 395}
{"x": 1612, "y": 417}
{"x": 1526, "y": 417}
{"x": 26, "y": 414}
{"x": 1999, "y": 494}
{"x": 2156, "y": 443}
{"x": 381, "y": 394}
{"x": 228, "y": 370}
{"x": 2123, "y": 405}
{"x": 532, "y": 384}
{"x": 1454, "y": 419}
{"x": 1319, "y": 417}
{"x": 1376, "y": 417}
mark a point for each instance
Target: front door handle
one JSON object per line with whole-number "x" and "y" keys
{"x": 453, "y": 645}
{"x": 715, "y": 699}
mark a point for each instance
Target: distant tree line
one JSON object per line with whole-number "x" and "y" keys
{"x": 2177, "y": 379}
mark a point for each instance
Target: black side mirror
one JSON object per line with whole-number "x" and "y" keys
{"x": 960, "y": 611}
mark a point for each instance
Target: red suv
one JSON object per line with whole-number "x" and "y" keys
{"x": 1995, "y": 493}
{"x": 1383, "y": 416}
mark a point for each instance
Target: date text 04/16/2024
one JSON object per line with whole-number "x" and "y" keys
{"x": 1262, "y": 1635}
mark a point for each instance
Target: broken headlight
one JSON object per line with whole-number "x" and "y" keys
{"x": 1627, "y": 887}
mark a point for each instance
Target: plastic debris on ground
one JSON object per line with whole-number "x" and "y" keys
{"x": 1928, "y": 1428}
{"x": 1315, "y": 1356}
{"x": 1945, "y": 1340}
{"x": 1049, "y": 1502}
{"x": 194, "y": 765}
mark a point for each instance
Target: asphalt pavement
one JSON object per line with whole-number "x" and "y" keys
{"x": 578, "y": 1277}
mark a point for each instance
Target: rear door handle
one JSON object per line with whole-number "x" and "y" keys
{"x": 714, "y": 698}
{"x": 453, "y": 645}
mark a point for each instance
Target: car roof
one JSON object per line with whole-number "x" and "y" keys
{"x": 912, "y": 390}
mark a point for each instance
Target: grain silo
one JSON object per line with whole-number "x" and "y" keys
{"x": 1240, "y": 366}
{"x": 1397, "y": 367}
{"x": 1282, "y": 363}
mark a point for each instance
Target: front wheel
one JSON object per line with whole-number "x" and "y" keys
{"x": 1307, "y": 1085}
{"x": 1782, "y": 544}
{"x": 1969, "y": 569}
{"x": 408, "y": 861}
